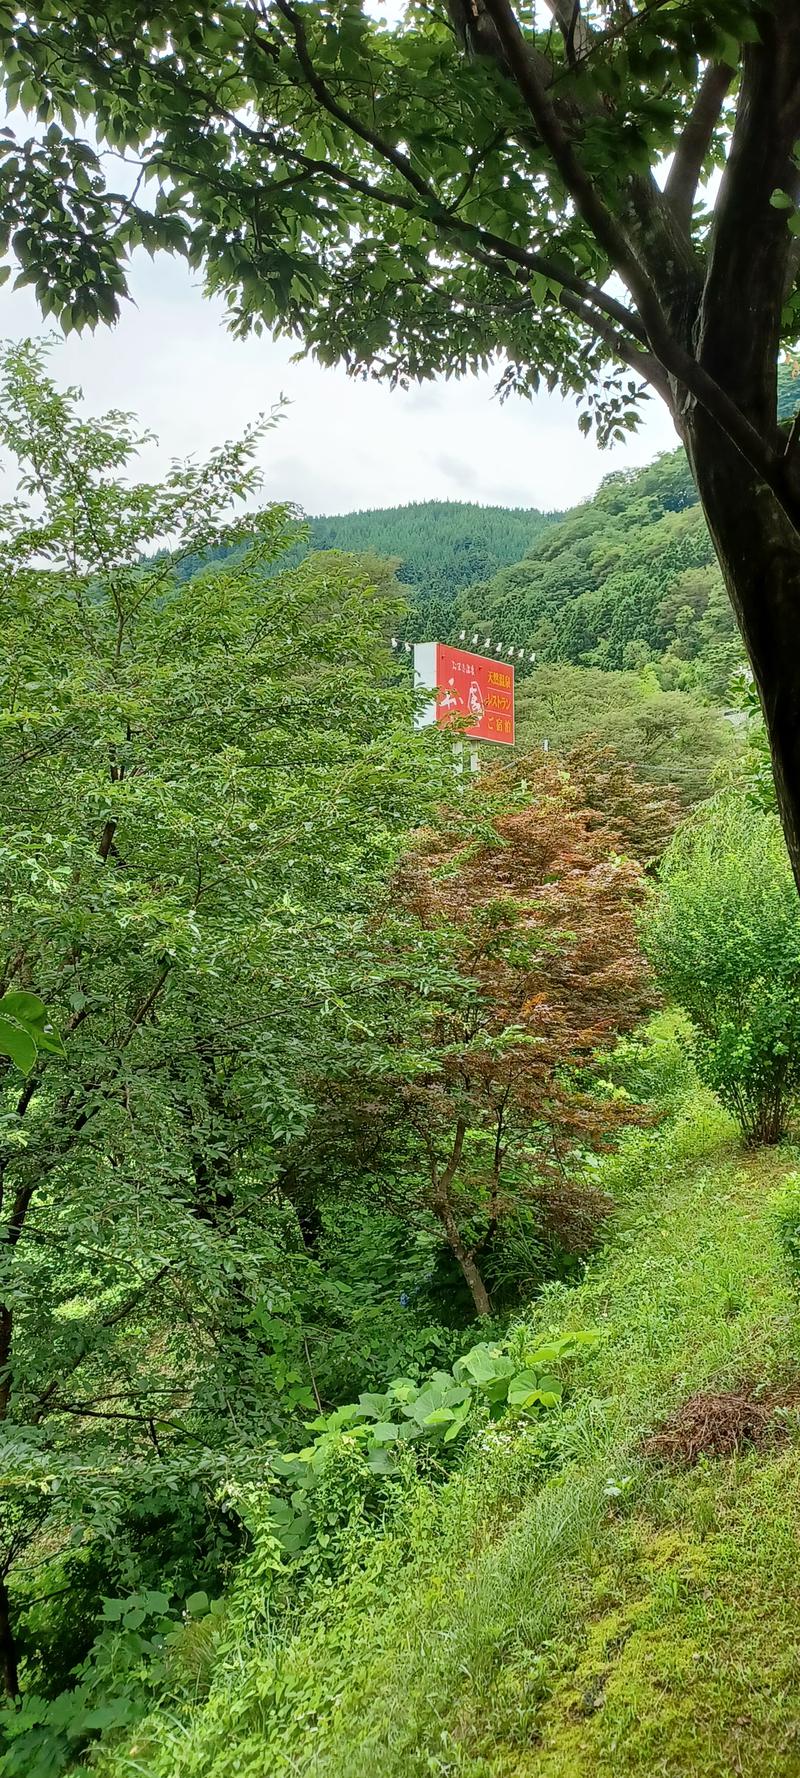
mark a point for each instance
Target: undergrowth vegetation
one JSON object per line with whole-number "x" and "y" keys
{"x": 460, "y": 1637}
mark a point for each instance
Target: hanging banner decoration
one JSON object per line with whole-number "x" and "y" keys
{"x": 470, "y": 689}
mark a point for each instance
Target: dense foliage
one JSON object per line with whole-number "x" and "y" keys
{"x": 509, "y": 958}
{"x": 441, "y": 546}
{"x": 669, "y": 737}
{"x": 417, "y": 168}
{"x": 724, "y": 934}
{"x": 298, "y": 1033}
{"x": 437, "y": 546}
{"x": 190, "y": 849}
{"x": 560, "y": 1604}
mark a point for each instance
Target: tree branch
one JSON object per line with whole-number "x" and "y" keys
{"x": 641, "y": 362}
{"x": 573, "y": 27}
{"x": 761, "y": 453}
{"x": 695, "y": 141}
{"x": 588, "y": 202}
{"x": 86, "y": 1413}
{"x": 440, "y": 215}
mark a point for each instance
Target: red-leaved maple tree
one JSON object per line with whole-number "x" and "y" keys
{"x": 508, "y": 958}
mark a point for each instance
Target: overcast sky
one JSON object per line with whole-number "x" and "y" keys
{"x": 341, "y": 444}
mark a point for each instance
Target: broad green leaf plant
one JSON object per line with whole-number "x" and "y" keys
{"x": 431, "y": 1417}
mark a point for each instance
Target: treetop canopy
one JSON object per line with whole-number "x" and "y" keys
{"x": 378, "y": 187}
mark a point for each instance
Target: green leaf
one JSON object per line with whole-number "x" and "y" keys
{"x": 385, "y": 1433}
{"x": 529, "y": 1387}
{"x": 157, "y": 1602}
{"x": 439, "y": 1417}
{"x": 488, "y": 1368}
{"x": 28, "y": 1008}
{"x": 459, "y": 1422}
{"x": 373, "y": 1406}
{"x": 381, "y": 1462}
{"x": 18, "y": 1044}
{"x": 114, "y": 1610}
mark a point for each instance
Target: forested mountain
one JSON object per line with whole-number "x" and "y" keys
{"x": 441, "y": 545}
{"x": 626, "y": 578}
{"x": 438, "y": 547}
{"x": 629, "y": 576}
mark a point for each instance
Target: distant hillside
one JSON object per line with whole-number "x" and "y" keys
{"x": 628, "y": 577}
{"x": 441, "y": 545}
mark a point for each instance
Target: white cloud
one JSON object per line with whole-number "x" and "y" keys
{"x": 342, "y": 444}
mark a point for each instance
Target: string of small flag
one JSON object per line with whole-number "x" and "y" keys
{"x": 508, "y": 653}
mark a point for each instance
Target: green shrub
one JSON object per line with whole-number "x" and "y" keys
{"x": 785, "y": 1216}
{"x": 654, "y": 1065}
{"x": 374, "y": 1437}
{"x": 723, "y": 933}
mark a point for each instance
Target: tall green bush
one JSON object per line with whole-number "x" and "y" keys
{"x": 723, "y": 932}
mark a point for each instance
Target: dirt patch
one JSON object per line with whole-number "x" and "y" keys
{"x": 714, "y": 1426}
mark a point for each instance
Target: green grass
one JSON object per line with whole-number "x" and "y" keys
{"x": 615, "y": 1618}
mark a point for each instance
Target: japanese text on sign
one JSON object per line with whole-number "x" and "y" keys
{"x": 478, "y": 689}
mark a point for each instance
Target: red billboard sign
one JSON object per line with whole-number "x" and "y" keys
{"x": 471, "y": 689}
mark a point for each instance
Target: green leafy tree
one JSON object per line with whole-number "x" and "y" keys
{"x": 202, "y": 782}
{"x": 724, "y": 936}
{"x": 669, "y": 737}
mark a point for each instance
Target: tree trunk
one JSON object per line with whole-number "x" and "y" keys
{"x": 759, "y": 554}
{"x": 735, "y": 336}
{"x": 466, "y": 1260}
{"x": 8, "y": 1649}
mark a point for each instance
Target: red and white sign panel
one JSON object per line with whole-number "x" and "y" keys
{"x": 470, "y": 688}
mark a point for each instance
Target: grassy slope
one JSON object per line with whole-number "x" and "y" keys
{"x": 564, "y": 1630}
{"x": 683, "y": 1655}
